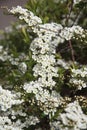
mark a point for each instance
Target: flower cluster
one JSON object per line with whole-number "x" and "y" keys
{"x": 73, "y": 118}
{"x": 78, "y": 77}
{"x": 26, "y": 15}
{"x": 7, "y": 99}
{"x": 7, "y": 124}
{"x": 4, "y": 54}
{"x": 68, "y": 32}
{"x": 44, "y": 75}
{"x": 48, "y": 102}
{"x": 76, "y": 1}
{"x": 63, "y": 64}
{"x": 43, "y": 49}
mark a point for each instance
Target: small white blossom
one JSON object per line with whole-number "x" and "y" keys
{"x": 76, "y": 1}
{"x": 32, "y": 120}
{"x": 74, "y": 114}
{"x": 7, "y": 124}
{"x": 62, "y": 63}
{"x": 26, "y": 15}
{"x": 7, "y": 99}
{"x": 23, "y": 67}
{"x": 72, "y": 118}
{"x": 77, "y": 78}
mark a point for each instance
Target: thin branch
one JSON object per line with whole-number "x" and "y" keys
{"x": 70, "y": 8}
{"x": 78, "y": 17}
{"x": 72, "y": 51}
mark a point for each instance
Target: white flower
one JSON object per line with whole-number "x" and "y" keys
{"x": 76, "y": 1}
{"x": 78, "y": 73}
{"x": 32, "y": 87}
{"x": 26, "y": 15}
{"x": 7, "y": 124}
{"x": 7, "y": 99}
{"x": 48, "y": 102}
{"x": 23, "y": 67}
{"x": 79, "y": 84}
{"x": 68, "y": 32}
{"x": 74, "y": 116}
{"x": 63, "y": 63}
{"x": 1, "y": 48}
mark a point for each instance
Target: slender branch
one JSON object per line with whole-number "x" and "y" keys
{"x": 62, "y": 50}
{"x": 78, "y": 17}
{"x": 70, "y": 8}
{"x": 72, "y": 51}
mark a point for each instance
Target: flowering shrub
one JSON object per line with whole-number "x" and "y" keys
{"x": 40, "y": 87}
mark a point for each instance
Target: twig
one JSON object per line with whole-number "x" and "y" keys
{"x": 72, "y": 51}
{"x": 78, "y": 17}
{"x": 70, "y": 8}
